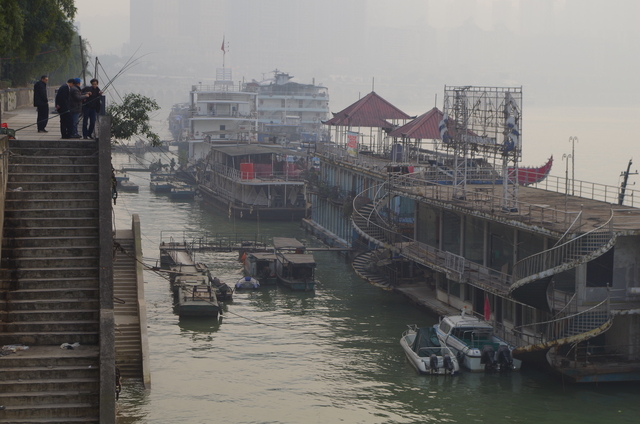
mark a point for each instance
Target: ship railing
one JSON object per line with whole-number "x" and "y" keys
{"x": 587, "y": 190}
{"x": 373, "y": 227}
{"x": 200, "y": 241}
{"x": 566, "y": 253}
{"x": 339, "y": 153}
{"x": 242, "y": 176}
{"x": 480, "y": 198}
{"x": 576, "y": 324}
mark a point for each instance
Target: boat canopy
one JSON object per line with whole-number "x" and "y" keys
{"x": 426, "y": 337}
{"x": 299, "y": 259}
{"x": 251, "y": 149}
{"x": 286, "y": 243}
{"x": 263, "y": 256}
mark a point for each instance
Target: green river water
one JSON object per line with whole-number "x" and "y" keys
{"x": 332, "y": 356}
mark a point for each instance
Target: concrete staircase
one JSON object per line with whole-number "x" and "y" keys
{"x": 129, "y": 357}
{"x": 50, "y": 283}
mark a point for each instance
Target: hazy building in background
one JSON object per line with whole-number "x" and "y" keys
{"x": 572, "y": 52}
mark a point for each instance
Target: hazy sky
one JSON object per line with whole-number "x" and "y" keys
{"x": 577, "y": 60}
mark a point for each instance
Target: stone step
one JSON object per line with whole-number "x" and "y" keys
{"x": 52, "y": 168}
{"x": 51, "y": 204}
{"x": 54, "y": 232}
{"x": 49, "y": 385}
{"x": 55, "y": 244}
{"x": 48, "y": 252}
{"x": 49, "y": 304}
{"x": 50, "y": 262}
{"x": 25, "y": 195}
{"x": 22, "y": 315}
{"x": 58, "y": 397}
{"x": 60, "y": 272}
{"x": 52, "y": 178}
{"x": 53, "y": 413}
{"x": 17, "y": 146}
{"x": 52, "y": 186}
{"x": 51, "y": 283}
{"x": 52, "y": 356}
{"x": 46, "y": 373}
{"x": 83, "y": 212}
{"x": 53, "y": 222}
{"x": 54, "y": 160}
{"x": 32, "y": 339}
{"x": 49, "y": 326}
{"x": 57, "y": 293}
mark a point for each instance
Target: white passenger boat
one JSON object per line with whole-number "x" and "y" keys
{"x": 476, "y": 346}
{"x": 426, "y": 354}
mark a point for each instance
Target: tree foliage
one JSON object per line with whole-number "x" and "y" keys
{"x": 131, "y": 117}
{"x": 36, "y": 37}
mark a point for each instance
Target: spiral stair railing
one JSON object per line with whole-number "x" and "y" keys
{"x": 539, "y": 337}
{"x": 566, "y": 256}
{"x": 571, "y": 327}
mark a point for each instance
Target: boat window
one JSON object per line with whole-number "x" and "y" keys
{"x": 445, "y": 327}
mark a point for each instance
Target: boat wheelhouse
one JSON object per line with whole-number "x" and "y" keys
{"x": 294, "y": 268}
{"x": 475, "y": 344}
{"x": 254, "y": 182}
{"x": 262, "y": 266}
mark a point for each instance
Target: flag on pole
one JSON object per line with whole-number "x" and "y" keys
{"x": 222, "y": 48}
{"x": 487, "y": 308}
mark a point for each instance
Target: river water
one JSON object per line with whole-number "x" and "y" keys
{"x": 332, "y": 356}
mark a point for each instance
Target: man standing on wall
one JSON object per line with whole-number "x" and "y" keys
{"x": 62, "y": 107}
{"x": 90, "y": 109}
{"x": 41, "y": 102}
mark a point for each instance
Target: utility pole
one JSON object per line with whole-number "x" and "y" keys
{"x": 84, "y": 66}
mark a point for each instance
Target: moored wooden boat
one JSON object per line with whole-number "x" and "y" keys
{"x": 197, "y": 301}
{"x": 261, "y": 266}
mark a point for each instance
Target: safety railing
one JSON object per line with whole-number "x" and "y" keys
{"x": 367, "y": 221}
{"x": 481, "y": 198}
{"x": 243, "y": 176}
{"x": 573, "y": 325}
{"x": 570, "y": 252}
{"x": 587, "y": 190}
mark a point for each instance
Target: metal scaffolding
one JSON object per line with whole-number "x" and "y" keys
{"x": 484, "y": 122}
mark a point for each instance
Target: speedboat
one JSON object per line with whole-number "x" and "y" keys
{"x": 476, "y": 346}
{"x": 247, "y": 283}
{"x": 426, "y": 354}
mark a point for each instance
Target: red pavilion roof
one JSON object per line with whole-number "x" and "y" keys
{"x": 370, "y": 111}
{"x": 425, "y": 126}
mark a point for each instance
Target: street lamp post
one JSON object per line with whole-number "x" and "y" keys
{"x": 566, "y": 177}
{"x": 573, "y": 141}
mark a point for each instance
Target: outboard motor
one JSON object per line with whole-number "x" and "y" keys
{"x": 488, "y": 358}
{"x": 433, "y": 363}
{"x": 505, "y": 361}
{"x": 447, "y": 363}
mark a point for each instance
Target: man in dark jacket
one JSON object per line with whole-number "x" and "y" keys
{"x": 41, "y": 101}
{"x": 90, "y": 109}
{"x": 76, "y": 98}
{"x": 62, "y": 107}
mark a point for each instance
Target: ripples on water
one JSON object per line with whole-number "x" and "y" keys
{"x": 332, "y": 356}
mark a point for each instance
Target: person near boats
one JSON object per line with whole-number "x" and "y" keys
{"x": 41, "y": 103}
{"x": 90, "y": 108}
{"x": 75, "y": 105}
{"x": 62, "y": 107}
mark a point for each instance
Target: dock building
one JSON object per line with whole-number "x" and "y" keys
{"x": 440, "y": 199}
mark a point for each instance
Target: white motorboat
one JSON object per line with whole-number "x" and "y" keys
{"x": 474, "y": 343}
{"x": 426, "y": 354}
